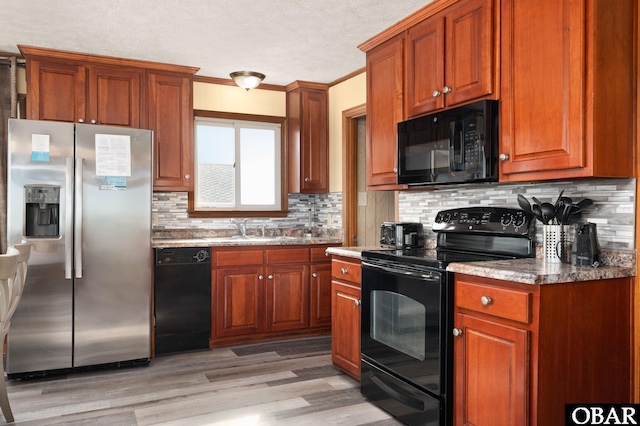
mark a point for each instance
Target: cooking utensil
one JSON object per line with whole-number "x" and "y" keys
{"x": 548, "y": 212}
{"x": 558, "y": 200}
{"x": 537, "y": 212}
{"x": 537, "y": 202}
{"x": 524, "y": 203}
{"x": 583, "y": 204}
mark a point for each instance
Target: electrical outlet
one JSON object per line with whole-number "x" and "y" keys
{"x": 329, "y": 220}
{"x": 154, "y": 219}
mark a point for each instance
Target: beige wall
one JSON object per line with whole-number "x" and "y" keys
{"x": 346, "y": 95}
{"x": 218, "y": 97}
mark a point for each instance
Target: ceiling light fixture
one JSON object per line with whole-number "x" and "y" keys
{"x": 247, "y": 79}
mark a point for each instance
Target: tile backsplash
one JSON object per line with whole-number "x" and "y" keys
{"x": 613, "y": 209}
{"x": 305, "y": 210}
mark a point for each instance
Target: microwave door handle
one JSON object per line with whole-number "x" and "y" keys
{"x": 457, "y": 146}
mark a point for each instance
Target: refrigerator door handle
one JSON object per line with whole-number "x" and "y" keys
{"x": 68, "y": 220}
{"x": 77, "y": 232}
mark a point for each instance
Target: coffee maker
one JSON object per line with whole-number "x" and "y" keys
{"x": 586, "y": 250}
{"x": 42, "y": 211}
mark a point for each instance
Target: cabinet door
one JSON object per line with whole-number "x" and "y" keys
{"x": 384, "y": 111}
{"x": 287, "y": 297}
{"x": 543, "y": 66}
{"x": 114, "y": 97}
{"x": 470, "y": 54}
{"x": 345, "y": 327}
{"x": 490, "y": 373}
{"x": 320, "y": 309}
{"x": 314, "y": 147}
{"x": 57, "y": 92}
{"x": 425, "y": 67}
{"x": 170, "y": 116}
{"x": 238, "y": 303}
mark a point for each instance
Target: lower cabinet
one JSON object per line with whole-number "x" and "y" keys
{"x": 262, "y": 293}
{"x": 345, "y": 315}
{"x": 521, "y": 351}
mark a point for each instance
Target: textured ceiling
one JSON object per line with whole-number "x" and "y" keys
{"x": 288, "y": 40}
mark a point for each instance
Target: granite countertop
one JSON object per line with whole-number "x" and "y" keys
{"x": 537, "y": 271}
{"x": 526, "y": 271}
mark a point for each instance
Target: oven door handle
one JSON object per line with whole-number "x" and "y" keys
{"x": 423, "y": 275}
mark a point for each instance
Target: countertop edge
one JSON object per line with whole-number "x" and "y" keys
{"x": 226, "y": 242}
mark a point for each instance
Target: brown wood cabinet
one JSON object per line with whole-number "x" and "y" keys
{"x": 523, "y": 351}
{"x": 308, "y": 137}
{"x": 265, "y": 292}
{"x": 568, "y": 89}
{"x": 170, "y": 116}
{"x": 451, "y": 58}
{"x": 385, "y": 71}
{"x": 92, "y": 89}
{"x": 345, "y": 314}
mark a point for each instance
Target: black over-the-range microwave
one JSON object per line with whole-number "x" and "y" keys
{"x": 453, "y": 146}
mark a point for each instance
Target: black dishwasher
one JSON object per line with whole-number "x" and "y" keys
{"x": 182, "y": 299}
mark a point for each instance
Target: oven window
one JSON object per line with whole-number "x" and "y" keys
{"x": 398, "y": 322}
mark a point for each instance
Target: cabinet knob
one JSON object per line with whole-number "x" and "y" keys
{"x": 503, "y": 157}
{"x": 436, "y": 93}
{"x": 260, "y": 277}
{"x": 270, "y": 277}
{"x": 344, "y": 270}
{"x": 80, "y": 120}
{"x": 395, "y": 170}
{"x": 307, "y": 179}
{"x": 93, "y": 121}
{"x": 314, "y": 275}
{"x": 446, "y": 89}
{"x": 485, "y": 300}
{"x": 357, "y": 302}
{"x": 457, "y": 332}
{"x": 187, "y": 176}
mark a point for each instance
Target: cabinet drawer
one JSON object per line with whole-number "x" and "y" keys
{"x": 501, "y": 302}
{"x": 319, "y": 254}
{"x": 293, "y": 255}
{"x": 348, "y": 271}
{"x": 237, "y": 257}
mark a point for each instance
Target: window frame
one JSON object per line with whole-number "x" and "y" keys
{"x": 284, "y": 193}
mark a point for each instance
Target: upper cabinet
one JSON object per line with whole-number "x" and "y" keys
{"x": 308, "y": 137}
{"x": 83, "y": 88}
{"x": 450, "y": 58}
{"x": 170, "y": 115}
{"x": 441, "y": 56}
{"x": 567, "y": 105}
{"x": 385, "y": 69}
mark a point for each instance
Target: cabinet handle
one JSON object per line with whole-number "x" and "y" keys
{"x": 447, "y": 89}
{"x": 307, "y": 179}
{"x": 80, "y": 120}
{"x": 187, "y": 176}
{"x": 270, "y": 277}
{"x": 314, "y": 275}
{"x": 344, "y": 270}
{"x": 503, "y": 157}
{"x": 260, "y": 277}
{"x": 93, "y": 121}
{"x": 457, "y": 332}
{"x": 436, "y": 93}
{"x": 485, "y": 300}
{"x": 357, "y": 302}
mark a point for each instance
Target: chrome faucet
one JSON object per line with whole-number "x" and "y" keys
{"x": 242, "y": 227}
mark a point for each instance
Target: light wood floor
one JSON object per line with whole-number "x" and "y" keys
{"x": 288, "y": 382}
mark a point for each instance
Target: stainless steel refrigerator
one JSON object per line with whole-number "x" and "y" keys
{"x": 81, "y": 194}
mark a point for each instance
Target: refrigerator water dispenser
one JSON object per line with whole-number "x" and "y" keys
{"x": 42, "y": 211}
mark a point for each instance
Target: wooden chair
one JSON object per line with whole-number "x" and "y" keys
{"x": 13, "y": 272}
